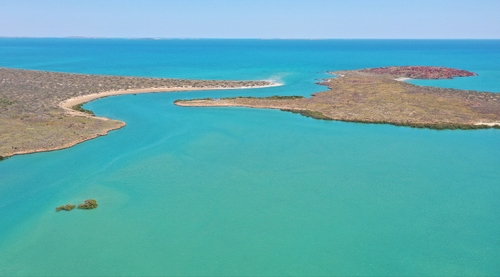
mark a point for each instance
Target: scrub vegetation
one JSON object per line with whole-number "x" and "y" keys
{"x": 31, "y": 119}
{"x": 376, "y": 96}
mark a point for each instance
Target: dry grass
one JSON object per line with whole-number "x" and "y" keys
{"x": 360, "y": 96}
{"x": 31, "y": 119}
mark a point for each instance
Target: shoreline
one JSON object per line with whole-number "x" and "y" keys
{"x": 66, "y": 145}
{"x": 68, "y": 104}
{"x": 383, "y": 95}
{"x": 491, "y": 124}
{"x": 403, "y": 79}
{"x": 221, "y": 103}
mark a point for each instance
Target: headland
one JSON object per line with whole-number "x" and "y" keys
{"x": 41, "y": 111}
{"x": 377, "y": 95}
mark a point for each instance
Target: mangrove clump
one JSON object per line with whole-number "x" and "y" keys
{"x": 88, "y": 204}
{"x": 81, "y": 109}
{"x": 308, "y": 113}
{"x": 67, "y": 207}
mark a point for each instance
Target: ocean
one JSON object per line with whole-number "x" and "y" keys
{"x": 186, "y": 191}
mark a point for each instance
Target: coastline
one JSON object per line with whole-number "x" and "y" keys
{"x": 491, "y": 124}
{"x": 382, "y": 96}
{"x": 403, "y": 79}
{"x": 224, "y": 103}
{"x": 68, "y": 104}
{"x": 66, "y": 145}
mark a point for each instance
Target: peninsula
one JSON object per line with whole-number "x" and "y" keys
{"x": 41, "y": 111}
{"x": 377, "y": 95}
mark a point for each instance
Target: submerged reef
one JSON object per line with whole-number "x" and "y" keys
{"x": 376, "y": 95}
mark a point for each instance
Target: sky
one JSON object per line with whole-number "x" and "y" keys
{"x": 307, "y": 19}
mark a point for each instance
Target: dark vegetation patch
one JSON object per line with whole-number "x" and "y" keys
{"x": 4, "y": 101}
{"x": 81, "y": 109}
{"x": 437, "y": 126}
{"x": 88, "y": 204}
{"x": 309, "y": 113}
{"x": 67, "y": 207}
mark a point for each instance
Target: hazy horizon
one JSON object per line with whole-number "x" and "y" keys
{"x": 277, "y": 19}
{"x": 235, "y": 38}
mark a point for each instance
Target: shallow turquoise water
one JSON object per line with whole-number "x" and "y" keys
{"x": 236, "y": 191}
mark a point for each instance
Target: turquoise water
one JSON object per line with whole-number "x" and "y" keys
{"x": 237, "y": 191}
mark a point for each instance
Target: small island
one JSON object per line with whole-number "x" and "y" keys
{"x": 67, "y": 207}
{"x": 88, "y": 204}
{"x": 378, "y": 95}
{"x": 42, "y": 111}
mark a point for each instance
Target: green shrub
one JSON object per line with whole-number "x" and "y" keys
{"x": 309, "y": 113}
{"x": 437, "y": 126}
{"x": 88, "y": 204}
{"x": 81, "y": 109}
{"x": 67, "y": 207}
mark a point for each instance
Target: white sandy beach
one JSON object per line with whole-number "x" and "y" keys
{"x": 68, "y": 104}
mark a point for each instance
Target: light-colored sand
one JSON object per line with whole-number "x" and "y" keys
{"x": 68, "y": 104}
{"x": 402, "y": 79}
{"x": 488, "y": 123}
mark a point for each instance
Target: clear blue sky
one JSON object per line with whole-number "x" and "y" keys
{"x": 252, "y": 18}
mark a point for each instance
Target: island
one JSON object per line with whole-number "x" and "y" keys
{"x": 67, "y": 207}
{"x": 88, "y": 204}
{"x": 42, "y": 111}
{"x": 379, "y": 95}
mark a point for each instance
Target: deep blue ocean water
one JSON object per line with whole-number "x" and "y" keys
{"x": 238, "y": 191}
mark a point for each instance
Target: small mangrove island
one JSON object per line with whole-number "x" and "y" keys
{"x": 377, "y": 95}
{"x": 42, "y": 111}
{"x": 67, "y": 207}
{"x": 88, "y": 204}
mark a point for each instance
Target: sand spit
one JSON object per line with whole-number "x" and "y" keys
{"x": 36, "y": 107}
{"x": 402, "y": 79}
{"x": 68, "y": 104}
{"x": 379, "y": 96}
{"x": 491, "y": 124}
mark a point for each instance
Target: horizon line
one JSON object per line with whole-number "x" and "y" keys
{"x": 233, "y": 38}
